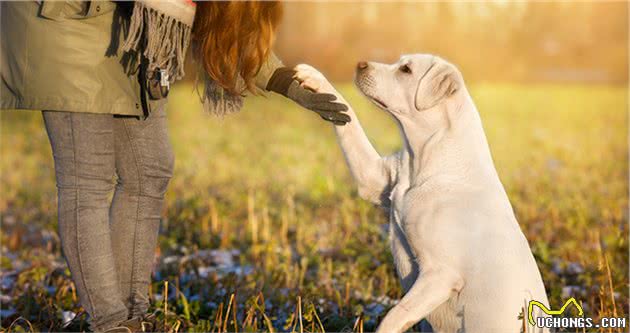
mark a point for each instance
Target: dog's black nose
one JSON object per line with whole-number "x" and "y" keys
{"x": 362, "y": 65}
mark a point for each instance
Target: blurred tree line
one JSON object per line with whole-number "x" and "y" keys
{"x": 488, "y": 41}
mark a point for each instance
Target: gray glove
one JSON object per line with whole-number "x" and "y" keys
{"x": 282, "y": 82}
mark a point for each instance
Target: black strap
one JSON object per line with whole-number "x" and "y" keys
{"x": 142, "y": 79}
{"x": 142, "y": 73}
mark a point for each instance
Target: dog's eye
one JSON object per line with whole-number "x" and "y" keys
{"x": 405, "y": 69}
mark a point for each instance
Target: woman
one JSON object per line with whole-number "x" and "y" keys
{"x": 105, "y": 114}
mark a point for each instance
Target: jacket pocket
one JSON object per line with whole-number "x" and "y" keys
{"x": 60, "y": 10}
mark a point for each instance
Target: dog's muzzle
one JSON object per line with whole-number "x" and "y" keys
{"x": 365, "y": 82}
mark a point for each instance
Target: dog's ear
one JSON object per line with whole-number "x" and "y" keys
{"x": 440, "y": 81}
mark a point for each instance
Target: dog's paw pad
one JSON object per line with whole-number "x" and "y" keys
{"x": 312, "y": 84}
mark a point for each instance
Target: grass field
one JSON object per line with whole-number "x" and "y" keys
{"x": 258, "y": 235}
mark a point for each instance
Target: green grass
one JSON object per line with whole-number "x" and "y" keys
{"x": 307, "y": 252}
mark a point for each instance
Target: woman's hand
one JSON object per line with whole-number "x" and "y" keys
{"x": 284, "y": 82}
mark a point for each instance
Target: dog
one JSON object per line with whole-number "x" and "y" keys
{"x": 463, "y": 261}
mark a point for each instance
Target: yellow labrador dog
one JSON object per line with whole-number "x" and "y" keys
{"x": 463, "y": 261}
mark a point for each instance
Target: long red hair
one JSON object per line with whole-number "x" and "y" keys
{"x": 232, "y": 39}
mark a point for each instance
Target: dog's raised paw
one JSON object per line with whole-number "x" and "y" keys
{"x": 311, "y": 78}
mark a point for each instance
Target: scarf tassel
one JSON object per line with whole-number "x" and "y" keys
{"x": 217, "y": 101}
{"x": 162, "y": 40}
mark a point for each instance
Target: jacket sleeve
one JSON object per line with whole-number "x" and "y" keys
{"x": 267, "y": 70}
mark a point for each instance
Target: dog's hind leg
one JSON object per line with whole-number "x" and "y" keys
{"x": 430, "y": 290}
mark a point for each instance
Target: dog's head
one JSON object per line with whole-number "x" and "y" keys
{"x": 416, "y": 83}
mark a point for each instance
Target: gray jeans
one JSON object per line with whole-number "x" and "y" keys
{"x": 109, "y": 245}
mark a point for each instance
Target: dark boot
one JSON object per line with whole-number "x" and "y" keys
{"x": 134, "y": 324}
{"x": 128, "y": 326}
{"x": 118, "y": 329}
{"x": 149, "y": 323}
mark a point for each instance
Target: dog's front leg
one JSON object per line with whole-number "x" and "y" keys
{"x": 370, "y": 171}
{"x": 432, "y": 288}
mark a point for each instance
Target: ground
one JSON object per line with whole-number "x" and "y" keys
{"x": 263, "y": 228}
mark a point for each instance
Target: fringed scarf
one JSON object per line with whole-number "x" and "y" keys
{"x": 160, "y": 31}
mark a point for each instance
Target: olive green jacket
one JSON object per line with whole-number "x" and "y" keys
{"x": 64, "y": 56}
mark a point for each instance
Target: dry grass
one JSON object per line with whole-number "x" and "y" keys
{"x": 295, "y": 249}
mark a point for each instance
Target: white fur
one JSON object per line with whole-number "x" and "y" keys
{"x": 462, "y": 259}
